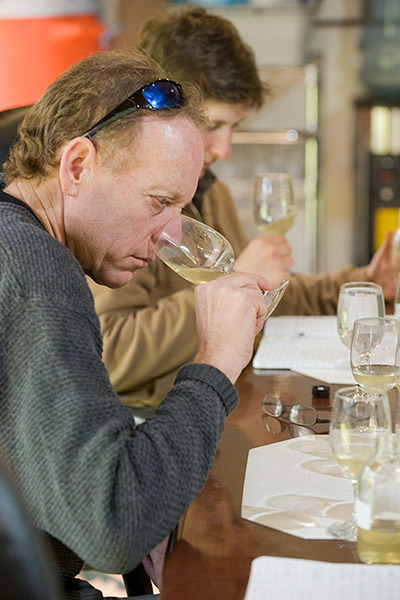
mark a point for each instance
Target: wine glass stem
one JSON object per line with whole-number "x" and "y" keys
{"x": 355, "y": 493}
{"x": 397, "y": 413}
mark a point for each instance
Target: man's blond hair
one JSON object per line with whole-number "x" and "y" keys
{"x": 79, "y": 98}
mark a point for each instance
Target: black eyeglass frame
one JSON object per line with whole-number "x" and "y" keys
{"x": 135, "y": 101}
{"x": 292, "y": 411}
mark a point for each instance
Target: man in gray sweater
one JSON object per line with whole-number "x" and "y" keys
{"x": 103, "y": 161}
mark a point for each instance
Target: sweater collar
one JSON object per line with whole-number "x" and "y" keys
{"x": 4, "y": 197}
{"x": 204, "y": 184}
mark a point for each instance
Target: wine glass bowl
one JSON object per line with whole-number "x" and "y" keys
{"x": 199, "y": 253}
{"x": 358, "y": 419}
{"x": 357, "y": 299}
{"x": 274, "y": 204}
{"x": 375, "y": 353}
{"x": 195, "y": 251}
{"x": 273, "y": 297}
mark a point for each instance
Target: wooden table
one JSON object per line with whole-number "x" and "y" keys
{"x": 212, "y": 556}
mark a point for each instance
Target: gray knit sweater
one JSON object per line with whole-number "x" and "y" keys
{"x": 104, "y": 492}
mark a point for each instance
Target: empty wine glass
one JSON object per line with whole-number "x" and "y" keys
{"x": 199, "y": 253}
{"x": 358, "y": 419}
{"x": 375, "y": 353}
{"x": 357, "y": 299}
{"x": 274, "y": 204}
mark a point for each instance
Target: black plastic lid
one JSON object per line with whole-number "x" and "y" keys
{"x": 321, "y": 391}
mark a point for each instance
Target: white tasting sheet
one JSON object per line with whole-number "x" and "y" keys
{"x": 292, "y": 578}
{"x": 300, "y": 343}
{"x": 289, "y": 578}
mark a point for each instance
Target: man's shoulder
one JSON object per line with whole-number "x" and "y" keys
{"x": 31, "y": 258}
{"x": 22, "y": 235}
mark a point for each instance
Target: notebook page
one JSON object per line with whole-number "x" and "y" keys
{"x": 304, "y": 326}
{"x": 286, "y": 578}
{"x": 301, "y": 342}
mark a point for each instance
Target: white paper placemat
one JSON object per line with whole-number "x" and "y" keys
{"x": 296, "y": 486}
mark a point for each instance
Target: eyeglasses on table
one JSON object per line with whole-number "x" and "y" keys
{"x": 299, "y": 414}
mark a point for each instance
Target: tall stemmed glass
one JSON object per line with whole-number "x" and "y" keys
{"x": 397, "y": 300}
{"x": 357, "y": 299}
{"x": 274, "y": 204}
{"x": 375, "y": 353}
{"x": 199, "y": 253}
{"x": 358, "y": 419}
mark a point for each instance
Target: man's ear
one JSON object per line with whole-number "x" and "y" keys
{"x": 78, "y": 158}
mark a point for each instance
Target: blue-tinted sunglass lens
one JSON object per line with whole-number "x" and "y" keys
{"x": 162, "y": 94}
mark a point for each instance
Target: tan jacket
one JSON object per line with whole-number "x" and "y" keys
{"x": 149, "y": 327}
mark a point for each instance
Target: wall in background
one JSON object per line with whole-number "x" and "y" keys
{"x": 131, "y": 15}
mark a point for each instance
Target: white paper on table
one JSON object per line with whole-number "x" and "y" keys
{"x": 295, "y": 486}
{"x": 287, "y": 578}
{"x": 301, "y": 342}
{"x": 344, "y": 376}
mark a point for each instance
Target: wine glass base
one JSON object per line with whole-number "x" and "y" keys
{"x": 347, "y": 530}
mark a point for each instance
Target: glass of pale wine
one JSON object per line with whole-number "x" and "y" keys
{"x": 359, "y": 418}
{"x": 375, "y": 353}
{"x": 199, "y": 253}
{"x": 274, "y": 204}
{"x": 357, "y": 299}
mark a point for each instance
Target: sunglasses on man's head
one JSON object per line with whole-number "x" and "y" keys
{"x": 156, "y": 95}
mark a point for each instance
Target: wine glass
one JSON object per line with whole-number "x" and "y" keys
{"x": 359, "y": 418}
{"x": 357, "y": 299}
{"x": 375, "y": 353}
{"x": 194, "y": 250}
{"x": 397, "y": 300}
{"x": 274, "y": 205}
{"x": 199, "y": 253}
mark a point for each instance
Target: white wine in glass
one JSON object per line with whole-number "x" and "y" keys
{"x": 195, "y": 251}
{"x": 274, "y": 204}
{"x": 199, "y": 254}
{"x": 375, "y": 353}
{"x": 357, "y": 299}
{"x": 358, "y": 420}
